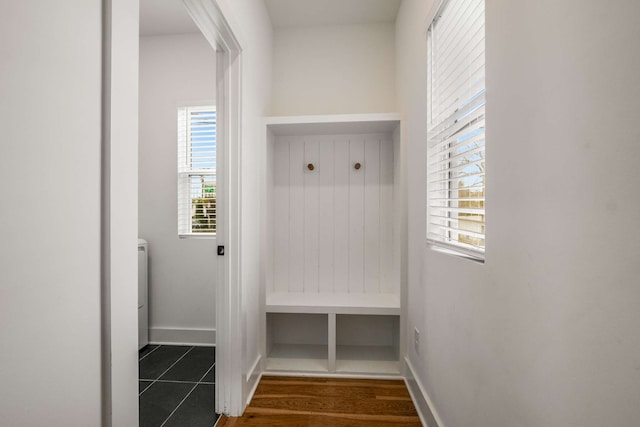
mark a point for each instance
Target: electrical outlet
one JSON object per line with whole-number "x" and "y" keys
{"x": 416, "y": 340}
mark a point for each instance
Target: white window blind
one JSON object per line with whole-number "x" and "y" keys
{"x": 196, "y": 171}
{"x": 456, "y": 127}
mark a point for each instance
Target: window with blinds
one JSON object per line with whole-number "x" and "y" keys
{"x": 196, "y": 171}
{"x": 456, "y": 128}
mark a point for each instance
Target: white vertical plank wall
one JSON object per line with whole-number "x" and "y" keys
{"x": 372, "y": 188}
{"x": 280, "y": 217}
{"x": 340, "y": 247}
{"x": 397, "y": 209}
{"x": 333, "y": 225}
{"x": 269, "y": 219}
{"x": 387, "y": 208}
{"x": 326, "y": 185}
{"x": 356, "y": 215}
{"x": 296, "y": 215}
{"x": 311, "y": 237}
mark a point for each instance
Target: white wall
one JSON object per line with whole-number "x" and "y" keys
{"x": 50, "y": 184}
{"x": 334, "y": 69}
{"x": 251, "y": 20}
{"x": 256, "y": 96}
{"x": 545, "y": 332}
{"x": 175, "y": 70}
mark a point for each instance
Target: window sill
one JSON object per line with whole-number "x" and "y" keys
{"x": 437, "y": 247}
{"x": 197, "y": 236}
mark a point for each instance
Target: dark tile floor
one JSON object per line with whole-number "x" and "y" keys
{"x": 176, "y": 386}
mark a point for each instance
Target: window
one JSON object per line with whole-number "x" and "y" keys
{"x": 456, "y": 128}
{"x": 196, "y": 171}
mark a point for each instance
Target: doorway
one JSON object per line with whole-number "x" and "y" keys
{"x": 177, "y": 220}
{"x": 117, "y": 339}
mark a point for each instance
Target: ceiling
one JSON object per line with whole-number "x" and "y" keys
{"x": 302, "y": 13}
{"x": 158, "y": 17}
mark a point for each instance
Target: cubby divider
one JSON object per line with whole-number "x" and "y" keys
{"x": 333, "y": 343}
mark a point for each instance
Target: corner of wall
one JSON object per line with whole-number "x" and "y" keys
{"x": 428, "y": 415}
{"x": 252, "y": 379}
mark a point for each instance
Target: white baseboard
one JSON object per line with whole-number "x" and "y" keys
{"x": 423, "y": 403}
{"x": 253, "y": 378}
{"x": 176, "y": 336}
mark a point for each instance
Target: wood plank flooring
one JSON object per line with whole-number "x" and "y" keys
{"x": 317, "y": 402}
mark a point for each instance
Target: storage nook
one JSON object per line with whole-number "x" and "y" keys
{"x": 332, "y": 276}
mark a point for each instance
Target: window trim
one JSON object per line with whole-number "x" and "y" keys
{"x": 444, "y": 247}
{"x": 197, "y": 235}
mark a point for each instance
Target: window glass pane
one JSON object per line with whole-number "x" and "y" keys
{"x": 197, "y": 170}
{"x": 203, "y": 203}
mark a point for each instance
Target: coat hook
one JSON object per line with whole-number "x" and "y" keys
{"x": 357, "y": 166}
{"x": 310, "y": 166}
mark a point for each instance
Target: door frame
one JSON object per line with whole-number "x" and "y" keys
{"x": 118, "y": 224}
{"x": 213, "y": 19}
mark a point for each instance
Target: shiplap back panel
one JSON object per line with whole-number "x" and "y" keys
{"x": 356, "y": 216}
{"x": 311, "y": 236}
{"x": 333, "y": 225}
{"x": 326, "y": 206}
{"x": 340, "y": 247}
{"x": 280, "y": 193}
{"x": 269, "y": 219}
{"x": 389, "y": 254}
{"x": 296, "y": 217}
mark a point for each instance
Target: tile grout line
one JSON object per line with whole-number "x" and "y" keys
{"x": 177, "y": 381}
{"x": 174, "y": 363}
{"x": 205, "y": 374}
{"x": 143, "y": 357}
{"x": 145, "y": 389}
{"x": 160, "y": 376}
{"x": 188, "y": 394}
{"x": 214, "y": 385}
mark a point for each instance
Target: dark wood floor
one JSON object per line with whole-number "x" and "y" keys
{"x": 315, "y": 402}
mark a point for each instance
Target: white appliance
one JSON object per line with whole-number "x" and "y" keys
{"x": 143, "y": 293}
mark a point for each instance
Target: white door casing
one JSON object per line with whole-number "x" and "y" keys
{"x": 212, "y": 18}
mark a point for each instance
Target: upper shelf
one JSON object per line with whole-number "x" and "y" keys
{"x": 299, "y": 302}
{"x": 333, "y": 124}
